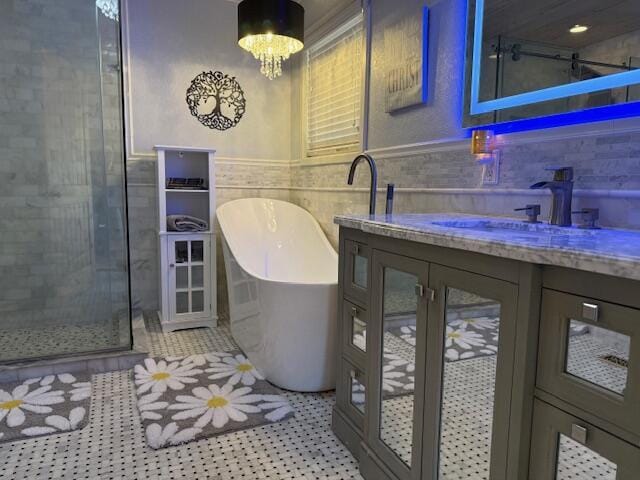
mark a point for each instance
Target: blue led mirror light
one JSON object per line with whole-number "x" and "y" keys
{"x": 617, "y": 80}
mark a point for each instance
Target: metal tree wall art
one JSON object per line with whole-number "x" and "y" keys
{"x": 216, "y": 100}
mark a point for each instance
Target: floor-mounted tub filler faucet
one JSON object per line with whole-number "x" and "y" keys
{"x": 374, "y": 178}
{"x": 562, "y": 194}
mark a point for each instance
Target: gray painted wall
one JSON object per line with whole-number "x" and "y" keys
{"x": 262, "y": 156}
{"x": 167, "y": 43}
{"x": 438, "y": 174}
{"x": 440, "y": 117}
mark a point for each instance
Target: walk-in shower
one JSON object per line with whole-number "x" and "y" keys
{"x": 64, "y": 284}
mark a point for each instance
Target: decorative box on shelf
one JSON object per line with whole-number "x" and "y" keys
{"x": 186, "y": 235}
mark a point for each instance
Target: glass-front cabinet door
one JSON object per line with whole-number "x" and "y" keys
{"x": 564, "y": 447}
{"x": 356, "y": 271}
{"x": 355, "y": 323}
{"x": 470, "y": 354}
{"x": 189, "y": 276}
{"x": 590, "y": 356}
{"x": 396, "y": 380}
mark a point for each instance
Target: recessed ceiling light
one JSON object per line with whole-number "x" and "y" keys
{"x": 578, "y": 28}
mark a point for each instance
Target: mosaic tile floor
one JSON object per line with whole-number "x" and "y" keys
{"x": 112, "y": 446}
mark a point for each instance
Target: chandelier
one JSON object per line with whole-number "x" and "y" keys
{"x": 109, "y": 8}
{"x": 272, "y": 30}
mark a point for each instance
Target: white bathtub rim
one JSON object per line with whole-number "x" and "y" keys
{"x": 253, "y": 274}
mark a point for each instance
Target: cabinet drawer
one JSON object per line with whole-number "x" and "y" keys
{"x": 357, "y": 260}
{"x": 355, "y": 321}
{"x": 564, "y": 447}
{"x": 589, "y": 356}
{"x": 351, "y": 393}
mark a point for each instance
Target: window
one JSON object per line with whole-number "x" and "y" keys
{"x": 334, "y": 73}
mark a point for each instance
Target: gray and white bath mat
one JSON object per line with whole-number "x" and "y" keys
{"x": 44, "y": 406}
{"x": 188, "y": 398}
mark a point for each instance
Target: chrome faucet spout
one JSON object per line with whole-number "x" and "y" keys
{"x": 562, "y": 195}
{"x": 374, "y": 178}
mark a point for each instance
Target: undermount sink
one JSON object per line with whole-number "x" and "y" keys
{"x": 514, "y": 226}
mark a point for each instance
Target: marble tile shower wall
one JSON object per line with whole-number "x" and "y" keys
{"x": 234, "y": 180}
{"x": 51, "y": 141}
{"x": 607, "y": 175}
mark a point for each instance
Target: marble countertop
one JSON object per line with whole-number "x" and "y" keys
{"x": 607, "y": 251}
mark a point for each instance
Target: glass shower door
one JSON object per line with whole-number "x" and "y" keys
{"x": 64, "y": 285}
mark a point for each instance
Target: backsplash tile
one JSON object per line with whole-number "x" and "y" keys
{"x": 607, "y": 176}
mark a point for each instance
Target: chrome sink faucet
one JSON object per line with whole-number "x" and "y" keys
{"x": 374, "y": 178}
{"x": 562, "y": 194}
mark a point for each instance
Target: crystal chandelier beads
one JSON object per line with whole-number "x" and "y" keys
{"x": 271, "y": 50}
{"x": 272, "y": 30}
{"x": 109, "y": 8}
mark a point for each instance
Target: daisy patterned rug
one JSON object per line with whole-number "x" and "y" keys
{"x": 44, "y": 406}
{"x": 181, "y": 399}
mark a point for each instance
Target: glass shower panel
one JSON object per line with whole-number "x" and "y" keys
{"x": 64, "y": 283}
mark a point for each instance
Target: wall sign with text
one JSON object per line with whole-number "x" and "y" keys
{"x": 405, "y": 54}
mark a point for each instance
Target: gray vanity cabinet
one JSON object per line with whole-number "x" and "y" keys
{"x": 425, "y": 387}
{"x": 459, "y": 365}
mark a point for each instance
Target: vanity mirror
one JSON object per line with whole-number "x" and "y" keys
{"x": 529, "y": 59}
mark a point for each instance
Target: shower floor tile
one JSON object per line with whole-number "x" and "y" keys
{"x": 56, "y": 340}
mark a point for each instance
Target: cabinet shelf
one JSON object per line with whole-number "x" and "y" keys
{"x": 187, "y": 259}
{"x": 206, "y": 232}
{"x": 182, "y": 190}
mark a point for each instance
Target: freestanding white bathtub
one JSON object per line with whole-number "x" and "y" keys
{"x": 282, "y": 278}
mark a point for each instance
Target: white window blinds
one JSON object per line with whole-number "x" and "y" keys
{"x": 335, "y": 67}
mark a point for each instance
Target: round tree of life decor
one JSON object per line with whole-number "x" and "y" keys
{"x": 216, "y": 100}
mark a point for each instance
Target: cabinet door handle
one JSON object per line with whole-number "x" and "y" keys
{"x": 422, "y": 291}
{"x": 590, "y": 311}
{"x": 356, "y": 249}
{"x": 172, "y": 265}
{"x": 579, "y": 433}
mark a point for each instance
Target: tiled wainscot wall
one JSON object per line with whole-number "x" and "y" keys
{"x": 234, "y": 179}
{"x": 446, "y": 178}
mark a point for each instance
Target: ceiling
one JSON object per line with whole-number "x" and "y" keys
{"x": 314, "y": 10}
{"x": 548, "y": 21}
